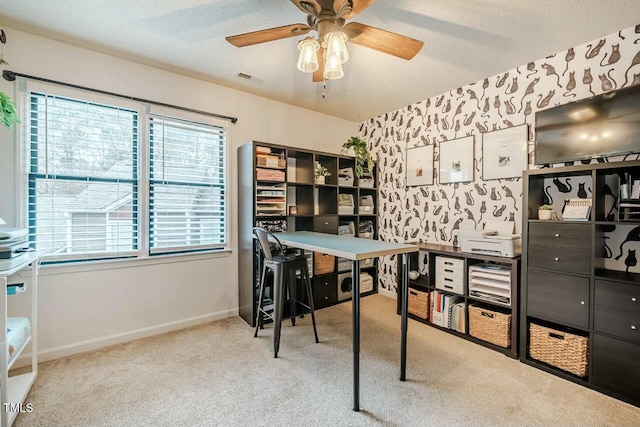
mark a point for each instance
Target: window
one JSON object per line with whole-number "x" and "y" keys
{"x": 89, "y": 197}
{"x": 82, "y": 200}
{"x": 187, "y": 197}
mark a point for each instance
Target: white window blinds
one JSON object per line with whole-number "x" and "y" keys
{"x": 82, "y": 181}
{"x": 187, "y": 185}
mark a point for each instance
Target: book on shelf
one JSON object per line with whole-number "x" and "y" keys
{"x": 635, "y": 189}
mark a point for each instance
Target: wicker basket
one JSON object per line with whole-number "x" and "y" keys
{"x": 418, "y": 303}
{"x": 269, "y": 161}
{"x": 561, "y": 349}
{"x": 323, "y": 264}
{"x": 491, "y": 326}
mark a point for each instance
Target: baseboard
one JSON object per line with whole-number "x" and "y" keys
{"x": 109, "y": 340}
{"x": 387, "y": 293}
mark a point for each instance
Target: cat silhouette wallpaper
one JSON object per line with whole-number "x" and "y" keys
{"x": 434, "y": 213}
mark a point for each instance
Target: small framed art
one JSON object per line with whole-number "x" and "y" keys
{"x": 420, "y": 166}
{"x": 504, "y": 153}
{"x": 456, "y": 160}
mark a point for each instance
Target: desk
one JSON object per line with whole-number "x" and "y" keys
{"x": 357, "y": 249}
{"x": 14, "y": 390}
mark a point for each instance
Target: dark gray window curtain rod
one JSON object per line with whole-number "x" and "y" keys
{"x": 11, "y": 76}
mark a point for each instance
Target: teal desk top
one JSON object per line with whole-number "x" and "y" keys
{"x": 353, "y": 248}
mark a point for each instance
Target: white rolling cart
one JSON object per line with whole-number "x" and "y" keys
{"x": 14, "y": 390}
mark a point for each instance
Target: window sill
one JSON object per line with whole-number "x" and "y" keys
{"x": 116, "y": 264}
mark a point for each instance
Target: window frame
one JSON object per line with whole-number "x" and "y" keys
{"x": 141, "y": 170}
{"x": 163, "y": 115}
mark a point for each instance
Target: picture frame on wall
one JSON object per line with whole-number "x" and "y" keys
{"x": 420, "y": 166}
{"x": 504, "y": 152}
{"x": 456, "y": 160}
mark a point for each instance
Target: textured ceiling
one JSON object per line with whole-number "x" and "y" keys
{"x": 465, "y": 41}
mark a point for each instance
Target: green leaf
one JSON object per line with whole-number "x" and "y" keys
{"x": 9, "y": 113}
{"x": 362, "y": 155}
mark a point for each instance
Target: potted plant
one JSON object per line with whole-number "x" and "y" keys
{"x": 320, "y": 173}
{"x": 361, "y": 153}
{"x": 7, "y": 109}
{"x": 545, "y": 212}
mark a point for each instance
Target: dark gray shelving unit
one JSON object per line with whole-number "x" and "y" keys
{"x": 317, "y": 210}
{"x": 427, "y": 282}
{"x": 572, "y": 283}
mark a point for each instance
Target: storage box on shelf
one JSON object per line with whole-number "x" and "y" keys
{"x": 449, "y": 274}
{"x": 490, "y": 282}
{"x": 323, "y": 264}
{"x": 445, "y": 275}
{"x": 367, "y": 179}
{"x": 345, "y": 204}
{"x": 366, "y": 205}
{"x": 490, "y": 325}
{"x": 277, "y": 190}
{"x": 419, "y": 303}
{"x": 561, "y": 349}
{"x": 366, "y": 229}
{"x": 345, "y": 177}
{"x": 581, "y": 278}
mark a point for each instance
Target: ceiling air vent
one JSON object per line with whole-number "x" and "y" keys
{"x": 252, "y": 79}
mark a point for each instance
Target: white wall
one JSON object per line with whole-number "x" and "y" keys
{"x": 82, "y": 310}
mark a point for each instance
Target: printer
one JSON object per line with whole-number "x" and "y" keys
{"x": 14, "y": 242}
{"x": 496, "y": 239}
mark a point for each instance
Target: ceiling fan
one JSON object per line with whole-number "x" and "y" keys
{"x": 325, "y": 55}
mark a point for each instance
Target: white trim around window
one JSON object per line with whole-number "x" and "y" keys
{"x": 106, "y": 192}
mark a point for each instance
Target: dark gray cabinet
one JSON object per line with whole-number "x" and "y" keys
{"x": 558, "y": 297}
{"x": 576, "y": 280}
{"x": 615, "y": 366}
{"x": 277, "y": 190}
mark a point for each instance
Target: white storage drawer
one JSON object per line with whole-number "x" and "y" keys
{"x": 450, "y": 274}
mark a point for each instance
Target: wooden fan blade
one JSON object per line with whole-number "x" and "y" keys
{"x": 357, "y": 7}
{"x": 317, "y": 75}
{"x": 381, "y": 40}
{"x": 262, "y": 36}
{"x": 310, "y": 7}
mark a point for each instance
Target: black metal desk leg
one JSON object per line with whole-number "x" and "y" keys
{"x": 355, "y": 299}
{"x": 405, "y": 298}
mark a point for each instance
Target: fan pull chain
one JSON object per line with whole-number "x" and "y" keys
{"x": 324, "y": 86}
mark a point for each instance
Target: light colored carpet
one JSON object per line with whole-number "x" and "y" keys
{"x": 219, "y": 375}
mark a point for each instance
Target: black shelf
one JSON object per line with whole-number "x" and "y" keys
{"x": 300, "y": 184}
{"x": 317, "y": 210}
{"x": 264, "y": 181}
{"x": 496, "y": 303}
{"x": 427, "y": 283}
{"x": 556, "y": 371}
{"x": 622, "y": 222}
{"x": 618, "y": 276}
{"x": 466, "y": 336}
{"x": 580, "y": 302}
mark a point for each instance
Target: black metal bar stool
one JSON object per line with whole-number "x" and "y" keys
{"x": 284, "y": 266}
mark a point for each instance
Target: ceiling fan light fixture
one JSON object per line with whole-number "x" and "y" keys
{"x": 308, "y": 59}
{"x": 333, "y": 68}
{"x": 337, "y": 45}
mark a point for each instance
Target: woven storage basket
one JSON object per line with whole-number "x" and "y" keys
{"x": 270, "y": 161}
{"x": 323, "y": 264}
{"x": 491, "y": 326}
{"x": 561, "y": 349}
{"x": 418, "y": 303}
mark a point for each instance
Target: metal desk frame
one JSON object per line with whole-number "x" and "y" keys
{"x": 357, "y": 249}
